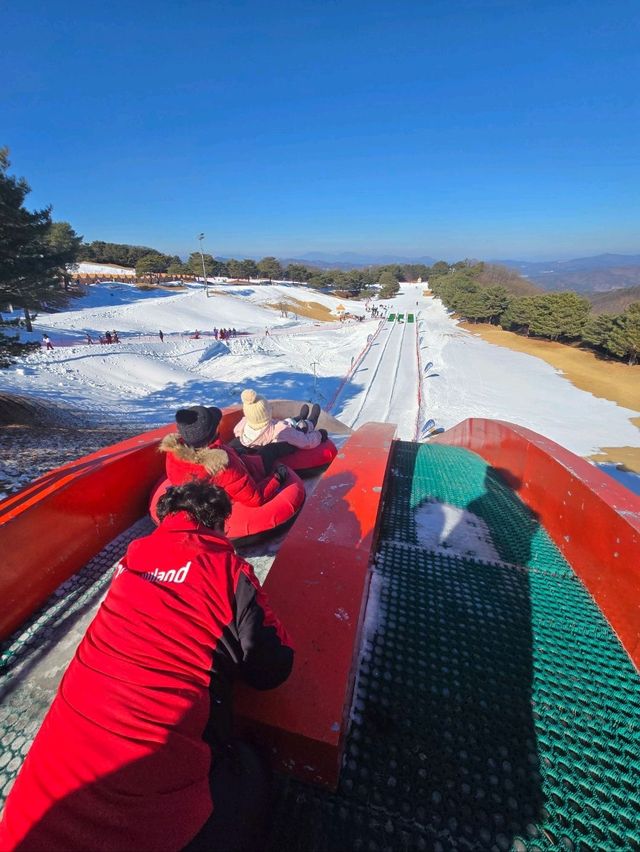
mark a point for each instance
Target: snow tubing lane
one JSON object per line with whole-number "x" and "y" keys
{"x": 253, "y": 522}
{"x": 311, "y": 462}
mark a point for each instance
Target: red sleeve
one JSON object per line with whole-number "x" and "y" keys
{"x": 269, "y": 488}
{"x": 239, "y": 484}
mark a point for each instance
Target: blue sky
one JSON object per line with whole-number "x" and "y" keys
{"x": 450, "y": 128}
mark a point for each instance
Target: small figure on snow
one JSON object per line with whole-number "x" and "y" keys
{"x": 47, "y": 342}
{"x": 161, "y": 336}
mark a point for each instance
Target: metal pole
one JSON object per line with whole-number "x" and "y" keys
{"x": 204, "y": 274}
{"x": 314, "y": 364}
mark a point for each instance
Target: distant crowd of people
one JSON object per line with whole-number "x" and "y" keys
{"x": 111, "y": 336}
{"x": 224, "y": 333}
{"x": 376, "y": 310}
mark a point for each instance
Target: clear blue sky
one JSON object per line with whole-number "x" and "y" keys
{"x": 452, "y": 128}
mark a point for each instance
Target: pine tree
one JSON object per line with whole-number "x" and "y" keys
{"x": 597, "y": 330}
{"x": 297, "y": 272}
{"x": 624, "y": 339}
{"x": 520, "y": 314}
{"x": 150, "y": 263}
{"x": 249, "y": 269}
{"x": 388, "y": 284}
{"x": 269, "y": 267}
{"x": 64, "y": 246}
{"x": 29, "y": 269}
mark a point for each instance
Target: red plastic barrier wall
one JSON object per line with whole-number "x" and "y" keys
{"x": 318, "y": 585}
{"x": 593, "y": 520}
{"x": 51, "y": 528}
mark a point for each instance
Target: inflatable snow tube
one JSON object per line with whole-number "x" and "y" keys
{"x": 312, "y": 462}
{"x": 250, "y": 523}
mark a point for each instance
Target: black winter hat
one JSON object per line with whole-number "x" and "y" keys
{"x": 198, "y": 425}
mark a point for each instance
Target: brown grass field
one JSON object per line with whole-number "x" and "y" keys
{"x": 606, "y": 379}
{"x": 311, "y": 310}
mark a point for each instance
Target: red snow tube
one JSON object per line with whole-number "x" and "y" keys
{"x": 249, "y": 523}
{"x": 311, "y": 462}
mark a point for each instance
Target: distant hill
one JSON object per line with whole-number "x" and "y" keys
{"x": 597, "y": 274}
{"x": 352, "y": 260}
{"x": 615, "y": 301}
{"x": 511, "y": 280}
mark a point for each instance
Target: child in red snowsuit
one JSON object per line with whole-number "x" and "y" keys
{"x": 196, "y": 452}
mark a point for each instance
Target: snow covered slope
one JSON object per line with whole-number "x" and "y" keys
{"x": 375, "y": 366}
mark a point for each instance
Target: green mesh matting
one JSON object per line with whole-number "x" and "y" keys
{"x": 391, "y": 317}
{"x": 494, "y": 707}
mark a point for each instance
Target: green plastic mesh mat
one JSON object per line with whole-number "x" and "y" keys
{"x": 494, "y": 708}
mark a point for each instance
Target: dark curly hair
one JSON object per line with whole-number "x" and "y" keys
{"x": 207, "y": 504}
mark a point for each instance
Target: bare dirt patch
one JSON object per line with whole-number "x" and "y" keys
{"x": 610, "y": 380}
{"x": 311, "y": 310}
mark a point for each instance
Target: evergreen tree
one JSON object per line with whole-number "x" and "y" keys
{"x": 64, "y": 247}
{"x": 495, "y": 301}
{"x": 269, "y": 267}
{"x": 249, "y": 269}
{"x": 297, "y": 272}
{"x": 150, "y": 263}
{"x": 29, "y": 268}
{"x": 570, "y": 312}
{"x": 120, "y": 254}
{"x": 212, "y": 266}
{"x": 519, "y": 314}
{"x": 440, "y": 268}
{"x": 597, "y": 329}
{"x": 624, "y": 340}
{"x": 388, "y": 284}
{"x": 235, "y": 268}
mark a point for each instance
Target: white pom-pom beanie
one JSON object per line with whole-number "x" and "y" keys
{"x": 256, "y": 409}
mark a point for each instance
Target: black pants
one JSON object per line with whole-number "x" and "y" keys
{"x": 240, "y": 783}
{"x": 269, "y": 454}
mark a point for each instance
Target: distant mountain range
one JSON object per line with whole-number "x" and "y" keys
{"x": 588, "y": 275}
{"x": 597, "y": 274}
{"x": 352, "y": 259}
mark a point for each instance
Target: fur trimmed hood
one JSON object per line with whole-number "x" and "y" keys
{"x": 213, "y": 460}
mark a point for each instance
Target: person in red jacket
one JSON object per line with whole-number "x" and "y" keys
{"x": 196, "y": 452}
{"x": 136, "y": 750}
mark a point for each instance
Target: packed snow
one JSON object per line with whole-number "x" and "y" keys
{"x": 362, "y": 371}
{"x": 452, "y": 531}
{"x": 89, "y": 268}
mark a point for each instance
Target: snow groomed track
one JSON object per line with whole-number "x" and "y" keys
{"x": 386, "y": 382}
